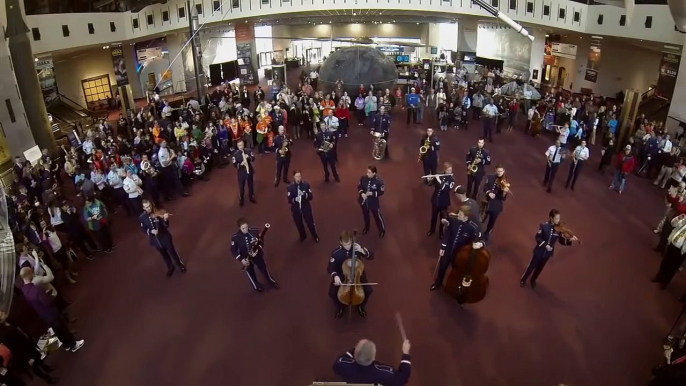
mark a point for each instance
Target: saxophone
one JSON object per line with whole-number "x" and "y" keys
{"x": 284, "y": 147}
{"x": 424, "y": 149}
{"x": 474, "y": 166}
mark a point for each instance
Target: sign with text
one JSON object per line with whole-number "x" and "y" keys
{"x": 119, "y": 66}
{"x": 591, "y": 75}
{"x": 46, "y": 77}
{"x": 669, "y": 69}
{"x": 563, "y": 50}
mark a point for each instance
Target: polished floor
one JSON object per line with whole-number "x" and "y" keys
{"x": 594, "y": 319}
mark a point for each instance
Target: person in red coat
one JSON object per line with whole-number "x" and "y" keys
{"x": 624, "y": 165}
{"x": 343, "y": 114}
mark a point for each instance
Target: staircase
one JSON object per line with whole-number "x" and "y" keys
{"x": 653, "y": 106}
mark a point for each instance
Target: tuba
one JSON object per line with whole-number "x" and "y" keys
{"x": 424, "y": 149}
{"x": 379, "y": 147}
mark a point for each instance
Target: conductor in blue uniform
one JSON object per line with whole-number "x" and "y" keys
{"x": 440, "y": 199}
{"x": 359, "y": 366}
{"x": 242, "y": 243}
{"x": 339, "y": 257}
{"x": 430, "y": 158}
{"x": 300, "y": 196}
{"x": 369, "y": 190}
{"x": 327, "y": 156}
{"x": 242, "y": 159}
{"x": 460, "y": 232}
{"x": 156, "y": 226}
{"x": 382, "y": 125}
{"x": 546, "y": 238}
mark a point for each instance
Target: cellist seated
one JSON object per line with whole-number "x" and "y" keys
{"x": 460, "y": 232}
{"x": 339, "y": 257}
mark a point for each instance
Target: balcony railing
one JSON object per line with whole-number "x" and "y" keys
{"x": 44, "y": 7}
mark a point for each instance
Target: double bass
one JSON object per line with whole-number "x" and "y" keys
{"x": 467, "y": 281}
{"x": 351, "y": 291}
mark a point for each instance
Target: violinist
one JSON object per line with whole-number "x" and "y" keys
{"x": 440, "y": 200}
{"x": 496, "y": 189}
{"x": 549, "y": 233}
{"x": 282, "y": 148}
{"x": 340, "y": 256}
{"x": 247, "y": 246}
{"x": 155, "y": 223}
{"x": 242, "y": 160}
{"x": 460, "y": 232}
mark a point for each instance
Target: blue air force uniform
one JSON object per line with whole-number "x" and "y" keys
{"x": 459, "y": 234}
{"x": 245, "y": 174}
{"x": 375, "y": 186}
{"x": 328, "y": 158}
{"x": 495, "y": 205}
{"x": 335, "y": 268}
{"x": 474, "y": 179}
{"x": 383, "y": 125}
{"x": 545, "y": 236}
{"x": 300, "y": 197}
{"x": 376, "y": 373}
{"x": 440, "y": 202}
{"x": 430, "y": 160}
{"x": 162, "y": 241}
{"x": 283, "y": 162}
{"x": 241, "y": 245}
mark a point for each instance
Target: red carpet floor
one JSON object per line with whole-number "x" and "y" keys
{"x": 595, "y": 318}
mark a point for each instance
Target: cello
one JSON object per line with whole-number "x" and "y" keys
{"x": 467, "y": 281}
{"x": 351, "y": 290}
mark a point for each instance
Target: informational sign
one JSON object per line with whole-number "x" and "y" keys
{"x": 245, "y": 41}
{"x": 563, "y": 50}
{"x": 669, "y": 69}
{"x": 46, "y": 77}
{"x": 33, "y": 155}
{"x": 593, "y": 64}
{"x": 591, "y": 75}
{"x": 119, "y": 65}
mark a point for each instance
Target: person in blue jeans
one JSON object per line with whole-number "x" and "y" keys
{"x": 625, "y": 164}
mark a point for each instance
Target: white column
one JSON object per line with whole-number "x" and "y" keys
{"x": 537, "y": 54}
{"x": 174, "y": 44}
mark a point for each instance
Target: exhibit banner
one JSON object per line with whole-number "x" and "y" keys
{"x": 245, "y": 44}
{"x": 46, "y": 77}
{"x": 669, "y": 69}
{"x": 593, "y": 64}
{"x": 119, "y": 66}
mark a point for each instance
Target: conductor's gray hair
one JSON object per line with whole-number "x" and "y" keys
{"x": 365, "y": 352}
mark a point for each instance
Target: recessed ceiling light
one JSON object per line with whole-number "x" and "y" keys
{"x": 596, "y": 37}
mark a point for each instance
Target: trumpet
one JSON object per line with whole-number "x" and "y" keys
{"x": 424, "y": 149}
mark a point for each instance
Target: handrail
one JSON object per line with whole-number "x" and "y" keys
{"x": 654, "y": 113}
{"x": 648, "y": 94}
{"x": 101, "y": 115}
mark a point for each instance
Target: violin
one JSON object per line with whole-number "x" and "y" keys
{"x": 352, "y": 293}
{"x": 159, "y": 213}
{"x": 565, "y": 232}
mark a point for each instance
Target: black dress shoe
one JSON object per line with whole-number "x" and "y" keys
{"x": 274, "y": 284}
{"x": 572, "y": 187}
{"x": 301, "y": 239}
{"x": 434, "y": 287}
{"x": 316, "y": 239}
{"x": 654, "y": 279}
{"x": 337, "y": 179}
{"x": 549, "y": 190}
{"x": 186, "y": 194}
{"x": 382, "y": 234}
{"x": 276, "y": 183}
{"x": 361, "y": 311}
{"x": 183, "y": 268}
{"x": 533, "y": 283}
{"x": 566, "y": 186}
{"x": 326, "y": 180}
{"x": 365, "y": 231}
{"x": 52, "y": 380}
{"x": 286, "y": 181}
{"x": 241, "y": 203}
{"x": 429, "y": 233}
{"x": 259, "y": 290}
{"x": 252, "y": 199}
{"x": 170, "y": 271}
{"x": 339, "y": 313}
{"x": 522, "y": 283}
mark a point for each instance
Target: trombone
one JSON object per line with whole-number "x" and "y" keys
{"x": 437, "y": 176}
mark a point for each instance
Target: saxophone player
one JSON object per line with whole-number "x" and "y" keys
{"x": 324, "y": 144}
{"x": 382, "y": 125}
{"x": 432, "y": 145}
{"x": 282, "y": 144}
{"x": 579, "y": 157}
{"x": 242, "y": 159}
{"x": 496, "y": 189}
{"x": 300, "y": 196}
{"x": 477, "y": 160}
{"x": 440, "y": 200}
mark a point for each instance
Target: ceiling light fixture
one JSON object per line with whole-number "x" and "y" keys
{"x": 672, "y": 47}
{"x": 596, "y": 37}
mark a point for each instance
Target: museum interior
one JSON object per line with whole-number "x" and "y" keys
{"x": 126, "y": 122}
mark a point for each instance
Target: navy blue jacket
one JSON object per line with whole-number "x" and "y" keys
{"x": 319, "y": 139}
{"x": 149, "y": 223}
{"x": 241, "y": 243}
{"x": 441, "y": 194}
{"x": 340, "y": 255}
{"x": 374, "y": 185}
{"x": 546, "y": 235}
{"x": 305, "y": 196}
{"x": 376, "y": 373}
{"x": 495, "y": 205}
{"x": 434, "y": 147}
{"x": 459, "y": 234}
{"x": 238, "y": 159}
{"x": 278, "y": 143}
{"x": 485, "y": 158}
